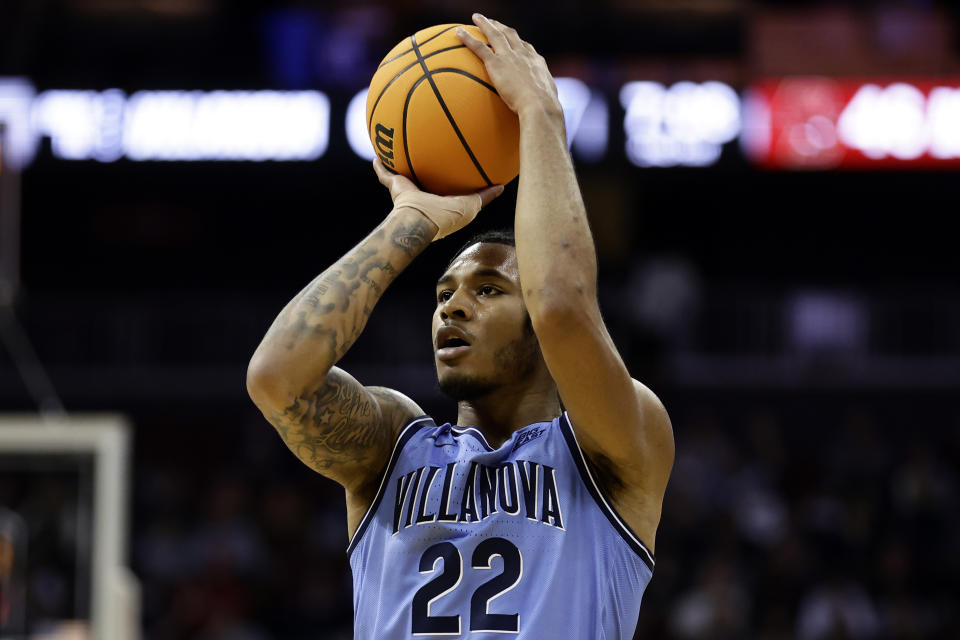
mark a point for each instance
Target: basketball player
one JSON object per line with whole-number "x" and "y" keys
{"x": 522, "y": 518}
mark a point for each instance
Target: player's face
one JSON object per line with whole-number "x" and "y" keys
{"x": 482, "y": 336}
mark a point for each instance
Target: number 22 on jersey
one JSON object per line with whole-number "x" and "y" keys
{"x": 481, "y": 620}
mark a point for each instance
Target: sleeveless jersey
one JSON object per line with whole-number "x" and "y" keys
{"x": 464, "y": 540}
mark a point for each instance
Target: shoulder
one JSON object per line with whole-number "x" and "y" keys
{"x": 653, "y": 413}
{"x": 397, "y": 409}
{"x": 653, "y": 460}
{"x": 643, "y": 455}
{"x": 636, "y": 477}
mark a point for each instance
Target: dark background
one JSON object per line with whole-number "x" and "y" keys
{"x": 815, "y": 491}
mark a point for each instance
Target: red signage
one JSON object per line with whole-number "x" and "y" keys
{"x": 828, "y": 123}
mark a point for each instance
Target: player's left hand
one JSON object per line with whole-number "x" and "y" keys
{"x": 449, "y": 213}
{"x": 518, "y": 72}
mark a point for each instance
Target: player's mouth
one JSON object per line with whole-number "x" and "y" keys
{"x": 451, "y": 343}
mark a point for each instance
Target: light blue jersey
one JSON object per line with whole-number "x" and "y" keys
{"x": 465, "y": 540}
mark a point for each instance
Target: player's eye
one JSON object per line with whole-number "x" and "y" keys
{"x": 444, "y": 295}
{"x": 489, "y": 290}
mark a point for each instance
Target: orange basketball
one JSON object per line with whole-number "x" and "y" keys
{"x": 433, "y": 115}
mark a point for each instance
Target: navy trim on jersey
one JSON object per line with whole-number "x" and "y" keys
{"x": 476, "y": 433}
{"x": 405, "y": 434}
{"x": 580, "y": 459}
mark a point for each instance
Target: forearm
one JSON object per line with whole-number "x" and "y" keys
{"x": 317, "y": 327}
{"x": 555, "y": 253}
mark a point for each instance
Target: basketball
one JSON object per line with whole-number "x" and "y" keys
{"x": 433, "y": 116}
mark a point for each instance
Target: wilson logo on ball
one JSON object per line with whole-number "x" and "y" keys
{"x": 384, "y": 144}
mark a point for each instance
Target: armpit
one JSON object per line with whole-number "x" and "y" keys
{"x": 602, "y": 469}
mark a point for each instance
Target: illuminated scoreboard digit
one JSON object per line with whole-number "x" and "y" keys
{"x": 826, "y": 123}
{"x": 685, "y": 124}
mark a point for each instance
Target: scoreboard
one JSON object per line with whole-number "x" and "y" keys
{"x": 794, "y": 123}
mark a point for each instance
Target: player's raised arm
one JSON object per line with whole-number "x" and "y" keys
{"x": 330, "y": 421}
{"x": 618, "y": 420}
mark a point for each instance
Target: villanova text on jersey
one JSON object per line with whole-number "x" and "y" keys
{"x": 466, "y": 540}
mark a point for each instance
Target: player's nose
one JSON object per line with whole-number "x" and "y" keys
{"x": 457, "y": 306}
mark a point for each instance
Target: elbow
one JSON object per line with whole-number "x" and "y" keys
{"x": 263, "y": 384}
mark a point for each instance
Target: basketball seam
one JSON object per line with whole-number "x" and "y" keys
{"x": 400, "y": 73}
{"x": 400, "y": 55}
{"x": 403, "y": 131}
{"x": 467, "y": 74}
{"x": 443, "y": 105}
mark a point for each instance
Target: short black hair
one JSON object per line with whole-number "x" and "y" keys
{"x": 498, "y": 236}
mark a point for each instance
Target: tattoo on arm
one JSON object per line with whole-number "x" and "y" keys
{"x": 335, "y": 425}
{"x": 412, "y": 238}
{"x": 338, "y": 424}
{"x": 335, "y": 307}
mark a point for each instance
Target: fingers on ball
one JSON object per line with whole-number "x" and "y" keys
{"x": 380, "y": 170}
{"x": 473, "y": 43}
{"x": 494, "y": 34}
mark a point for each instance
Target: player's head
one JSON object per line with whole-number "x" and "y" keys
{"x": 482, "y": 335}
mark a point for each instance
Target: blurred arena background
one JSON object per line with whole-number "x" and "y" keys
{"x": 772, "y": 187}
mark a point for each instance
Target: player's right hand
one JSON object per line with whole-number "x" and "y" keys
{"x": 519, "y": 74}
{"x": 449, "y": 213}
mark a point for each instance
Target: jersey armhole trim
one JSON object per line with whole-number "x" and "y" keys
{"x": 599, "y": 496}
{"x": 405, "y": 434}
